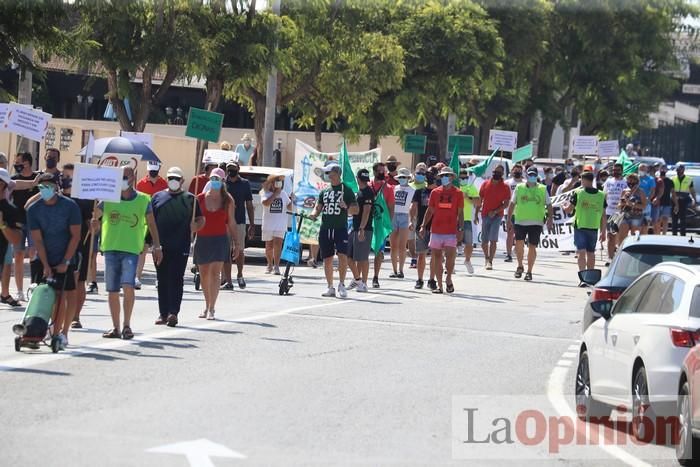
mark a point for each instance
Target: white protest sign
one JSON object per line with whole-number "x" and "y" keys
{"x": 120, "y": 160}
{"x": 609, "y": 148}
{"x": 503, "y": 140}
{"x": 584, "y": 146}
{"x": 97, "y": 182}
{"x": 4, "y": 108}
{"x": 145, "y": 138}
{"x": 26, "y": 122}
{"x": 218, "y": 156}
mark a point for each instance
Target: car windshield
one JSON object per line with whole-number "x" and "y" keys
{"x": 635, "y": 261}
{"x": 255, "y": 179}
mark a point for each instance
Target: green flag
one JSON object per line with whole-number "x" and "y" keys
{"x": 522, "y": 154}
{"x": 382, "y": 221}
{"x": 348, "y": 177}
{"x": 630, "y": 168}
{"x": 480, "y": 169}
{"x": 454, "y": 165}
{"x": 628, "y": 165}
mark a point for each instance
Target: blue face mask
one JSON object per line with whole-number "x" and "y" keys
{"x": 215, "y": 184}
{"x": 47, "y": 193}
{"x": 403, "y": 181}
{"x": 420, "y": 178}
{"x": 532, "y": 179}
{"x": 445, "y": 179}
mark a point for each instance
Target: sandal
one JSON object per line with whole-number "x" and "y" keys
{"x": 76, "y": 324}
{"x": 450, "y": 287}
{"x": 519, "y": 272}
{"x": 127, "y": 333}
{"x": 437, "y": 291}
{"x": 528, "y": 276}
{"x": 10, "y": 301}
{"x": 112, "y": 334}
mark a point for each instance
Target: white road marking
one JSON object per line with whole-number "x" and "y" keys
{"x": 564, "y": 363}
{"x": 569, "y": 355}
{"x": 198, "y": 452}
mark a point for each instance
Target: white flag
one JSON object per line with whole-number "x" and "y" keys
{"x": 90, "y": 149}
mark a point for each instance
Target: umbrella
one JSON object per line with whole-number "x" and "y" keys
{"x": 119, "y": 145}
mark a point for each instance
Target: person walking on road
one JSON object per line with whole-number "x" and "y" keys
{"x": 422, "y": 241}
{"x": 172, "y": 210}
{"x": 54, "y": 222}
{"x": 647, "y": 183}
{"x": 513, "y": 182}
{"x": 529, "y": 206}
{"x": 239, "y": 188}
{"x": 217, "y": 240}
{"x": 275, "y": 202}
{"x": 380, "y": 183}
{"x": 445, "y": 213}
{"x": 360, "y": 241}
{"x": 588, "y": 206}
{"x": 467, "y": 181}
{"x": 613, "y": 188}
{"x": 633, "y": 203}
{"x": 685, "y": 192}
{"x": 335, "y": 202}
{"x": 417, "y": 183}
{"x": 495, "y": 196}
{"x": 23, "y": 248}
{"x": 405, "y": 209}
{"x": 11, "y": 230}
{"x": 123, "y": 230}
{"x": 665, "y": 202}
{"x": 150, "y": 185}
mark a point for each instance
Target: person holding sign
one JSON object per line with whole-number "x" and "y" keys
{"x": 588, "y": 203}
{"x": 123, "y": 226}
{"x": 529, "y": 206}
{"x": 24, "y": 173}
{"x": 335, "y": 202}
{"x": 275, "y": 202}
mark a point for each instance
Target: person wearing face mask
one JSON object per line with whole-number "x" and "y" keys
{"x": 529, "y": 206}
{"x": 392, "y": 165}
{"x": 276, "y": 202}
{"x": 467, "y": 181}
{"x": 417, "y": 183}
{"x": 685, "y": 193}
{"x": 647, "y": 184}
{"x": 633, "y": 203}
{"x": 664, "y": 202}
{"x": 23, "y": 248}
{"x": 54, "y": 222}
{"x": 515, "y": 180}
{"x": 151, "y": 184}
{"x": 588, "y": 206}
{"x": 569, "y": 165}
{"x": 123, "y": 225}
{"x": 613, "y": 188}
{"x": 239, "y": 188}
{"x": 494, "y": 195}
{"x": 200, "y": 181}
{"x": 11, "y": 233}
{"x": 548, "y": 179}
{"x": 245, "y": 150}
{"x": 172, "y": 211}
{"x": 405, "y": 209}
{"x": 379, "y": 183}
{"x": 422, "y": 241}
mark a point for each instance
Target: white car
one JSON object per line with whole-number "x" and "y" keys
{"x": 633, "y": 356}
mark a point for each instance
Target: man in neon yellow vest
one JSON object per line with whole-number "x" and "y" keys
{"x": 589, "y": 219}
{"x": 530, "y": 204}
{"x": 123, "y": 234}
{"x": 685, "y": 192}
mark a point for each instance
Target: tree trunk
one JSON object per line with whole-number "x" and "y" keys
{"x": 486, "y": 125}
{"x": 524, "y": 128}
{"x": 215, "y": 88}
{"x": 318, "y": 126}
{"x": 440, "y": 124}
{"x": 259, "y": 123}
{"x": 545, "y": 139}
{"x": 373, "y": 141}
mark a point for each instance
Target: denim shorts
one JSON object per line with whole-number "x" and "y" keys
{"x": 489, "y": 228}
{"x": 633, "y": 222}
{"x": 468, "y": 238}
{"x": 586, "y": 240}
{"x": 657, "y": 212}
{"x": 120, "y": 270}
{"x": 400, "y": 220}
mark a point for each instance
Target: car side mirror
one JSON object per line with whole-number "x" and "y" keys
{"x": 603, "y": 308}
{"x": 590, "y": 276}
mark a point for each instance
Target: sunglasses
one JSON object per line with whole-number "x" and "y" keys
{"x": 174, "y": 178}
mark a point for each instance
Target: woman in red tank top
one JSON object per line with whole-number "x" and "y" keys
{"x": 213, "y": 245}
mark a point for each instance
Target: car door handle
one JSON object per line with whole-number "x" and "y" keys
{"x": 613, "y": 337}
{"x": 636, "y": 339}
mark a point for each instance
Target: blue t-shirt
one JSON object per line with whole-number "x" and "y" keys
{"x": 173, "y": 214}
{"x": 54, "y": 222}
{"x": 244, "y": 154}
{"x": 648, "y": 185}
{"x": 240, "y": 190}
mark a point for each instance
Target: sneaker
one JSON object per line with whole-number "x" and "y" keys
{"x": 489, "y": 265}
{"x": 312, "y": 263}
{"x": 414, "y": 262}
{"x": 354, "y": 283}
{"x": 375, "y": 283}
{"x": 227, "y": 286}
{"x": 277, "y": 272}
{"x": 171, "y": 321}
{"x": 20, "y": 296}
{"x": 468, "y": 264}
{"x": 211, "y": 316}
{"x": 509, "y": 259}
{"x": 432, "y": 285}
{"x": 241, "y": 283}
{"x": 76, "y": 324}
{"x": 400, "y": 275}
{"x": 161, "y": 321}
{"x": 92, "y": 288}
{"x": 329, "y": 293}
{"x": 419, "y": 284}
{"x": 342, "y": 291}
{"x": 460, "y": 250}
{"x": 62, "y": 342}
{"x": 362, "y": 287}
{"x": 137, "y": 284}
{"x": 268, "y": 270}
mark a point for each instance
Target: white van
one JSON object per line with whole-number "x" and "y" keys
{"x": 495, "y": 162}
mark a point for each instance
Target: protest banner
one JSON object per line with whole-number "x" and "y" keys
{"x": 4, "y": 108}
{"x": 25, "y": 121}
{"x": 503, "y": 140}
{"x": 522, "y": 154}
{"x": 120, "y": 160}
{"x": 609, "y": 148}
{"x": 584, "y": 146}
{"x": 308, "y": 181}
{"x": 218, "y": 156}
{"x": 95, "y": 182}
{"x": 145, "y": 138}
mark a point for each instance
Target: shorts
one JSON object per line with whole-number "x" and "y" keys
{"x": 633, "y": 222}
{"x": 25, "y": 239}
{"x": 268, "y": 235}
{"x": 68, "y": 277}
{"x": 422, "y": 244}
{"x": 659, "y": 212}
{"x": 441, "y": 241}
{"x": 532, "y": 232}
{"x": 332, "y": 241}
{"x": 212, "y": 249}
{"x": 120, "y": 270}
{"x": 468, "y": 237}
{"x": 358, "y": 250}
{"x": 585, "y": 239}
{"x": 489, "y": 228}
{"x": 83, "y": 261}
{"x": 400, "y": 221}
{"x": 9, "y": 255}
{"x": 240, "y": 246}
{"x": 412, "y": 235}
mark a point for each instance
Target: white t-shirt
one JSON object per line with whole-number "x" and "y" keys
{"x": 403, "y": 196}
{"x": 274, "y": 218}
{"x": 613, "y": 190}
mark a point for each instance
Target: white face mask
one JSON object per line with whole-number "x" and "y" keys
{"x": 125, "y": 185}
{"x": 173, "y": 185}
{"x": 278, "y": 184}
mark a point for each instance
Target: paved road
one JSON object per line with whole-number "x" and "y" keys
{"x": 303, "y": 380}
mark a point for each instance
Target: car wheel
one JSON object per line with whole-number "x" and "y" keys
{"x": 586, "y": 406}
{"x": 687, "y": 447}
{"x": 642, "y": 412}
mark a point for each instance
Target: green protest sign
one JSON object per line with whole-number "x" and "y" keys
{"x": 522, "y": 154}
{"x": 465, "y": 144}
{"x": 202, "y": 124}
{"x": 415, "y": 144}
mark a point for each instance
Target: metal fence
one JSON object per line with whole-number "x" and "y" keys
{"x": 674, "y": 143}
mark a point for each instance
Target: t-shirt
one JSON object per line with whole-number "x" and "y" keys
{"x": 200, "y": 181}
{"x": 388, "y": 191}
{"x": 365, "y": 200}
{"x": 10, "y": 216}
{"x": 54, "y": 222}
{"x": 648, "y": 185}
{"x": 86, "y": 207}
{"x": 240, "y": 190}
{"x": 145, "y": 185}
{"x": 513, "y": 182}
{"x": 173, "y": 215}
{"x": 492, "y": 195}
{"x": 666, "y": 195}
{"x": 403, "y": 197}
{"x": 423, "y": 196}
{"x": 547, "y": 202}
{"x": 470, "y": 191}
{"x": 335, "y": 217}
{"x": 446, "y": 203}
{"x": 244, "y": 154}
{"x": 20, "y": 197}
{"x": 613, "y": 189}
{"x": 274, "y": 218}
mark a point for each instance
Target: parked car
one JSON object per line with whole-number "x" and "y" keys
{"x": 256, "y": 175}
{"x": 636, "y": 255}
{"x": 496, "y": 161}
{"x": 688, "y": 407}
{"x": 632, "y": 357}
